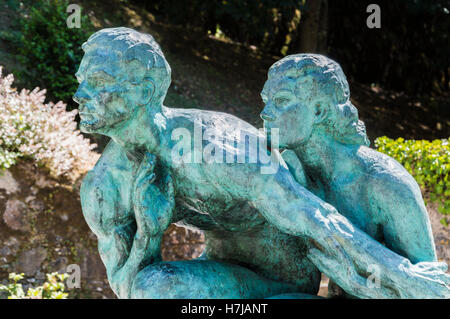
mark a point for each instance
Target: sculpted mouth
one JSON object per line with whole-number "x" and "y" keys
{"x": 86, "y": 115}
{"x": 83, "y": 111}
{"x": 87, "y": 118}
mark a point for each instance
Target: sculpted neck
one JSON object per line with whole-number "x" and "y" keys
{"x": 323, "y": 157}
{"x": 138, "y": 134}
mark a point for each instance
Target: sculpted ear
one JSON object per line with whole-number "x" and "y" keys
{"x": 147, "y": 91}
{"x": 320, "y": 112}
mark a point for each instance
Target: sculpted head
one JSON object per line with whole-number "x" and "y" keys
{"x": 122, "y": 71}
{"x": 308, "y": 94}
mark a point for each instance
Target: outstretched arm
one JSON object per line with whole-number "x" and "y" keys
{"x": 343, "y": 252}
{"x": 153, "y": 201}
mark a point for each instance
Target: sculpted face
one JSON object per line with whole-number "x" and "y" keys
{"x": 286, "y": 110}
{"x": 308, "y": 94}
{"x": 104, "y": 98}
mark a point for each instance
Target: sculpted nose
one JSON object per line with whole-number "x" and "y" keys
{"x": 80, "y": 95}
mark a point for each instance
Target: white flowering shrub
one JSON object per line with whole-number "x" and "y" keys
{"x": 46, "y": 133}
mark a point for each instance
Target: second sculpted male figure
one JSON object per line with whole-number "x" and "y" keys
{"x": 307, "y": 98}
{"x": 266, "y": 234}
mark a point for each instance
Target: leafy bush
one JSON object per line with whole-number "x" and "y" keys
{"x": 427, "y": 161}
{"x": 49, "y": 51}
{"x": 53, "y": 288}
{"x": 45, "y": 133}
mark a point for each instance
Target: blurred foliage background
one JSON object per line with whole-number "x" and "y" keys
{"x": 428, "y": 162}
{"x": 410, "y": 52}
{"x": 48, "y": 52}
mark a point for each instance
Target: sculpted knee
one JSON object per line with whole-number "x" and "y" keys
{"x": 164, "y": 280}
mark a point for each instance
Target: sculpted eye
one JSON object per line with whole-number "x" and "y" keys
{"x": 281, "y": 100}
{"x": 100, "y": 81}
{"x": 97, "y": 81}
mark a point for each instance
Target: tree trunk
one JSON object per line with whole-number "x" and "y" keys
{"x": 313, "y": 27}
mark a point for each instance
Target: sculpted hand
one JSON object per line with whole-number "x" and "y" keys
{"x": 338, "y": 265}
{"x": 422, "y": 280}
{"x": 153, "y": 198}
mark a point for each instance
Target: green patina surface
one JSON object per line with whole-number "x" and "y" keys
{"x": 271, "y": 226}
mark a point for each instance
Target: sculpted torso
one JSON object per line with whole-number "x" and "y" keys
{"x": 209, "y": 197}
{"x": 380, "y": 197}
{"x": 307, "y": 98}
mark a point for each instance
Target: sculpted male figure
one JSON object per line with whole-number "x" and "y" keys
{"x": 266, "y": 234}
{"x": 307, "y": 98}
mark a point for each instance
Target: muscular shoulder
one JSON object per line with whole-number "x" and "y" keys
{"x": 388, "y": 180}
{"x": 208, "y": 119}
{"x": 113, "y": 159}
{"x": 109, "y": 175}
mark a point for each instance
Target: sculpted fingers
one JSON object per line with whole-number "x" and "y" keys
{"x": 432, "y": 266}
{"x": 443, "y": 266}
{"x": 143, "y": 181}
{"x": 425, "y": 280}
{"x": 153, "y": 207}
{"x": 168, "y": 184}
{"x": 148, "y": 162}
{"x": 146, "y": 167}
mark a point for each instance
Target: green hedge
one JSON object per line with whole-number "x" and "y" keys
{"x": 427, "y": 161}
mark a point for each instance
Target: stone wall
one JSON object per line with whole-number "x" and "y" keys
{"x": 42, "y": 230}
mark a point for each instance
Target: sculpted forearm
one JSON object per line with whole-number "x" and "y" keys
{"x": 115, "y": 248}
{"x": 145, "y": 251}
{"x": 343, "y": 252}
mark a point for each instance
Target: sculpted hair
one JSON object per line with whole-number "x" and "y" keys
{"x": 315, "y": 75}
{"x": 139, "y": 54}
